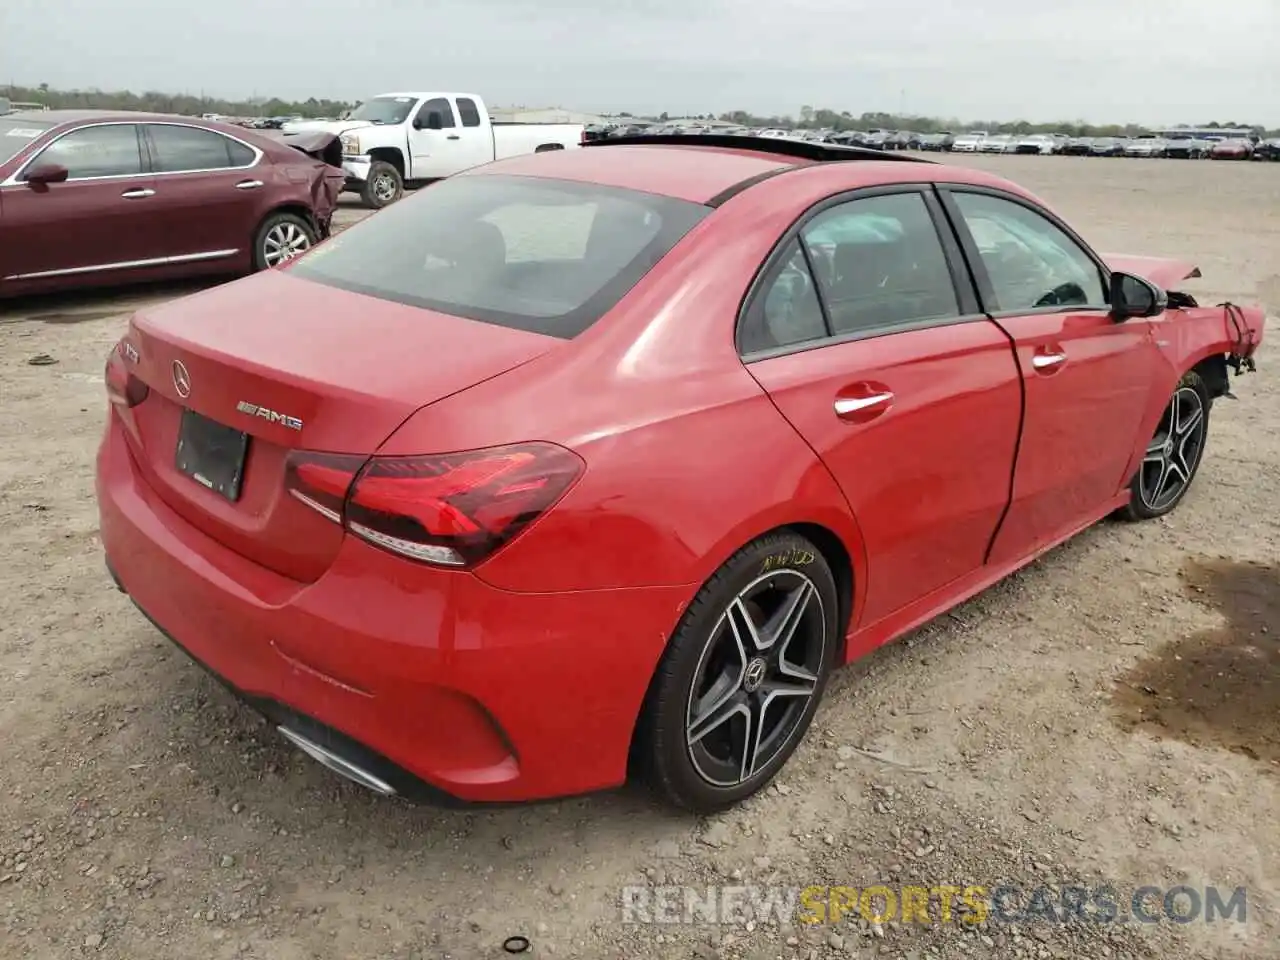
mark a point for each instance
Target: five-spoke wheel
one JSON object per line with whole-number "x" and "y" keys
{"x": 757, "y": 674}
{"x": 1174, "y": 453}
{"x": 742, "y": 676}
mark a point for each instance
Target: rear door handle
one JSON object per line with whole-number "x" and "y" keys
{"x": 861, "y": 408}
{"x": 1048, "y": 362}
{"x": 248, "y": 184}
{"x": 138, "y": 194}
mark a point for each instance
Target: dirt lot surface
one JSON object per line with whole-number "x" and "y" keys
{"x": 1109, "y": 715}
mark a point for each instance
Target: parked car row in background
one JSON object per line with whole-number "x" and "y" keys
{"x": 1191, "y": 145}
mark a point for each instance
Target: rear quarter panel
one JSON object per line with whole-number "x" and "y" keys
{"x": 667, "y": 495}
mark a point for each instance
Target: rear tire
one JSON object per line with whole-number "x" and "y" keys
{"x": 383, "y": 187}
{"x": 742, "y": 677}
{"x": 280, "y": 238}
{"x": 1174, "y": 454}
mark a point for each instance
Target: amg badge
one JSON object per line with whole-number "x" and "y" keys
{"x": 253, "y": 410}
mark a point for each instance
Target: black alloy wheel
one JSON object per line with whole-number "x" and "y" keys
{"x": 743, "y": 675}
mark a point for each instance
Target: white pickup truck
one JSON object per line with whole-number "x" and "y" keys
{"x": 398, "y": 138}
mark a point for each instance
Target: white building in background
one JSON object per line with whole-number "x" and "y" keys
{"x": 543, "y": 115}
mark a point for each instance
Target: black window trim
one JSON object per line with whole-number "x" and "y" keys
{"x": 962, "y": 282}
{"x": 16, "y": 178}
{"x": 982, "y": 280}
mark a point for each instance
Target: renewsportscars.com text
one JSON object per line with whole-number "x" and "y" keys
{"x": 941, "y": 903}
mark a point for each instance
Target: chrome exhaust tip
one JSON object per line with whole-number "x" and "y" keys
{"x": 339, "y": 765}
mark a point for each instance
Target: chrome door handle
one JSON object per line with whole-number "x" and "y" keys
{"x": 249, "y": 184}
{"x": 848, "y": 405}
{"x": 137, "y": 194}
{"x": 1047, "y": 361}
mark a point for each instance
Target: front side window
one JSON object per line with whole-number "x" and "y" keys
{"x": 441, "y": 106}
{"x": 535, "y": 254}
{"x": 176, "y": 149}
{"x": 880, "y": 264}
{"x": 1032, "y": 263}
{"x": 108, "y": 150}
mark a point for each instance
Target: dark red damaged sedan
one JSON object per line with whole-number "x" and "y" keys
{"x": 600, "y": 461}
{"x": 91, "y": 197}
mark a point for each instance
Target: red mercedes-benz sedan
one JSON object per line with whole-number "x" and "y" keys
{"x": 600, "y": 461}
{"x": 90, "y": 197}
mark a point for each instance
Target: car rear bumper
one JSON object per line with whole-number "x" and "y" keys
{"x": 431, "y": 681}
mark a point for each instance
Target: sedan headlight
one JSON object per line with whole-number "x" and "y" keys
{"x": 350, "y": 144}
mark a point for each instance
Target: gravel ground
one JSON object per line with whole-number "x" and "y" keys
{"x": 1109, "y": 715}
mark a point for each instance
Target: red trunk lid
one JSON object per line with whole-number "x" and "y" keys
{"x": 295, "y": 365}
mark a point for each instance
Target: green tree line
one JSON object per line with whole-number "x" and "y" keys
{"x": 154, "y": 101}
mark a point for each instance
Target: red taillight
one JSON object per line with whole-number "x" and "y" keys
{"x": 123, "y": 388}
{"x": 453, "y": 510}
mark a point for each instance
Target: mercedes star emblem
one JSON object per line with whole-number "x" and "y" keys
{"x": 181, "y": 379}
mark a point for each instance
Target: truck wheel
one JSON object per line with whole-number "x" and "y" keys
{"x": 383, "y": 187}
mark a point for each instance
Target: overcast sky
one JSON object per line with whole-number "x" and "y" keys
{"x": 1154, "y": 61}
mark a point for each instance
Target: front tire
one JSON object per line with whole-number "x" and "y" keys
{"x": 742, "y": 677}
{"x": 280, "y": 238}
{"x": 383, "y": 187}
{"x": 1173, "y": 456}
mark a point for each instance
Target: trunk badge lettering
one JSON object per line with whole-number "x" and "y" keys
{"x": 271, "y": 416}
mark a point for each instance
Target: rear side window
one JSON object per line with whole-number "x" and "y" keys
{"x": 175, "y": 149}
{"x": 468, "y": 112}
{"x": 788, "y": 312}
{"x": 547, "y": 256}
{"x": 880, "y": 264}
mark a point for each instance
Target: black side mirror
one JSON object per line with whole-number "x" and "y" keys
{"x": 43, "y": 174}
{"x": 1134, "y": 296}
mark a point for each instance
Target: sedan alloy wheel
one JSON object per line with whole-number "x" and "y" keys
{"x": 756, "y": 677}
{"x": 742, "y": 676}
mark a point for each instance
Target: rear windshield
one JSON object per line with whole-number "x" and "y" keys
{"x": 16, "y": 133}
{"x": 547, "y": 256}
